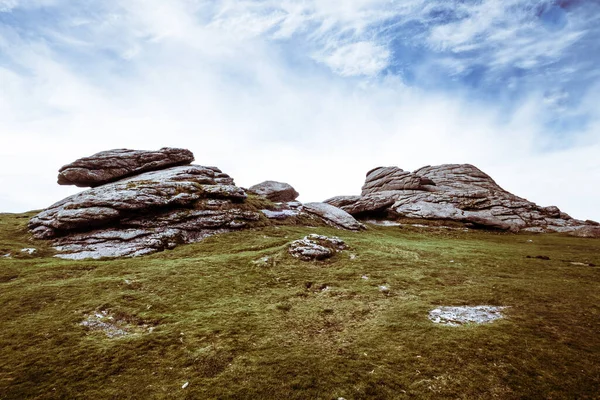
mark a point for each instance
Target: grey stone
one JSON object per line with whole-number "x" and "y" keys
{"x": 275, "y": 191}
{"x": 335, "y": 216}
{"x": 316, "y": 247}
{"x": 112, "y": 165}
{"x": 456, "y": 316}
{"x": 280, "y": 214}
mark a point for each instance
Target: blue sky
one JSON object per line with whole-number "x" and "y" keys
{"x": 313, "y": 93}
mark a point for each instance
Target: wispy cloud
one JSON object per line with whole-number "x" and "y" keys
{"x": 313, "y": 93}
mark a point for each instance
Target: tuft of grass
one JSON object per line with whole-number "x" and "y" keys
{"x": 236, "y": 317}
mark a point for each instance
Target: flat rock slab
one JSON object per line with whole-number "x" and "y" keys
{"x": 333, "y": 215}
{"x": 111, "y": 165}
{"x": 456, "y": 316}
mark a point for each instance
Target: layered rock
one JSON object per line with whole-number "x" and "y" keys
{"x": 151, "y": 211}
{"x": 456, "y": 192}
{"x": 275, "y": 191}
{"x": 111, "y": 165}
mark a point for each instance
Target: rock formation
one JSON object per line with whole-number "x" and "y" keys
{"x": 455, "y": 192}
{"x": 144, "y": 212}
{"x": 275, "y": 191}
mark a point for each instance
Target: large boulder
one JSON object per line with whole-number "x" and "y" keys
{"x": 150, "y": 191}
{"x": 112, "y": 165}
{"x": 455, "y": 192}
{"x": 145, "y": 213}
{"x": 279, "y": 192}
{"x": 333, "y": 215}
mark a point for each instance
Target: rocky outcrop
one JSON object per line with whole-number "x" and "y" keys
{"x": 455, "y": 192}
{"x": 111, "y": 165}
{"x": 333, "y": 215}
{"x": 275, "y": 191}
{"x": 154, "y": 210}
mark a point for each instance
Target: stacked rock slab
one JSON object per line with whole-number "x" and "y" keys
{"x": 455, "y": 192}
{"x": 111, "y": 165}
{"x": 143, "y": 213}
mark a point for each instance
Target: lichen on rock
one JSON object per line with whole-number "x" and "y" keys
{"x": 316, "y": 247}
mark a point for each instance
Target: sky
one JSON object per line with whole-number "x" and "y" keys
{"x": 312, "y": 93}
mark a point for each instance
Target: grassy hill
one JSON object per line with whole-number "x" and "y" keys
{"x": 236, "y": 317}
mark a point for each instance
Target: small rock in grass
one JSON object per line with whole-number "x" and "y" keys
{"x": 384, "y": 289}
{"x": 456, "y": 316}
{"x": 316, "y": 247}
{"x": 185, "y": 385}
{"x": 102, "y": 321}
{"x": 364, "y": 277}
{"x": 29, "y": 250}
{"x": 7, "y": 255}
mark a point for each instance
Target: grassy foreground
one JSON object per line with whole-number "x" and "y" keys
{"x": 231, "y": 323}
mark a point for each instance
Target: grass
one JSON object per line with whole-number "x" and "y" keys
{"x": 237, "y": 318}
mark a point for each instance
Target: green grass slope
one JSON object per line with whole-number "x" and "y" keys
{"x": 233, "y": 324}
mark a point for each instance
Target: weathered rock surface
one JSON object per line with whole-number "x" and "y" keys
{"x": 150, "y": 191}
{"x": 589, "y": 231}
{"x": 456, "y": 316}
{"x": 145, "y": 213}
{"x": 275, "y": 191}
{"x": 456, "y": 192}
{"x": 335, "y": 216}
{"x": 111, "y": 165}
{"x": 316, "y": 247}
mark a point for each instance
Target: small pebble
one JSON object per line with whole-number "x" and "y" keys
{"x": 185, "y": 385}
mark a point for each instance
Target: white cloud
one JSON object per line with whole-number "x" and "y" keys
{"x": 355, "y": 59}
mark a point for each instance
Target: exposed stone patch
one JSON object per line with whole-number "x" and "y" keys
{"x": 112, "y": 327}
{"x": 316, "y": 247}
{"x": 456, "y": 316}
{"x": 382, "y": 222}
{"x": 28, "y": 250}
